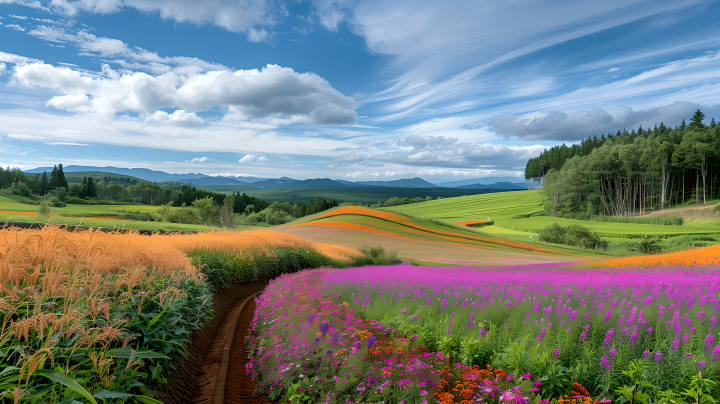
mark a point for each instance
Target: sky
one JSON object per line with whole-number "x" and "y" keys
{"x": 344, "y": 89}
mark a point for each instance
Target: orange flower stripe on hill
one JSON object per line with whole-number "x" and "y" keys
{"x": 406, "y": 221}
{"x": 699, "y": 256}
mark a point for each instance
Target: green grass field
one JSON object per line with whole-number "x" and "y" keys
{"x": 371, "y": 195}
{"x": 501, "y": 207}
{"x": 128, "y": 224}
{"x": 77, "y": 210}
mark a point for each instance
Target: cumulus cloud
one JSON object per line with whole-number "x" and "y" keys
{"x": 257, "y": 35}
{"x": 276, "y": 95}
{"x": 178, "y": 118}
{"x": 3, "y": 68}
{"x": 558, "y": 125}
{"x": 440, "y": 151}
{"x": 198, "y": 160}
{"x": 251, "y": 158}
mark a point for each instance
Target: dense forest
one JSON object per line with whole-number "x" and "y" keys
{"x": 631, "y": 173}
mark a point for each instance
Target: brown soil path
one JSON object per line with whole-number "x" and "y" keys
{"x": 239, "y": 387}
{"x": 196, "y": 378}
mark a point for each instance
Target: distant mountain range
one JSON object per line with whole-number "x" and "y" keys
{"x": 285, "y": 182}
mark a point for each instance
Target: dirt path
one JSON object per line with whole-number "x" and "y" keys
{"x": 239, "y": 387}
{"x": 196, "y": 379}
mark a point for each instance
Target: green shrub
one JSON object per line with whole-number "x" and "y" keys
{"x": 574, "y": 235}
{"x": 44, "y": 208}
{"x": 378, "y": 256}
{"x": 650, "y": 245}
{"x": 20, "y": 188}
{"x": 224, "y": 269}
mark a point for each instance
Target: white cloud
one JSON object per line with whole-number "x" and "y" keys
{"x": 558, "y": 125}
{"x": 198, "y": 160}
{"x": 177, "y": 118}
{"x": 275, "y": 94}
{"x": 255, "y": 35}
{"x": 15, "y": 27}
{"x": 129, "y": 57}
{"x": 331, "y": 12}
{"x": 25, "y": 137}
{"x": 355, "y": 175}
{"x": 3, "y": 68}
{"x": 233, "y": 15}
{"x": 251, "y": 158}
{"x": 613, "y": 69}
{"x": 19, "y": 17}
{"x": 440, "y": 151}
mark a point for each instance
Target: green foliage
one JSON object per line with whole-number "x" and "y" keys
{"x": 378, "y": 255}
{"x": 700, "y": 390}
{"x": 650, "y": 245}
{"x": 206, "y": 211}
{"x": 224, "y": 269}
{"x": 44, "y": 209}
{"x": 574, "y": 235}
{"x": 637, "y": 373}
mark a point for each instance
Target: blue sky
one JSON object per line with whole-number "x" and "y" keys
{"x": 347, "y": 89}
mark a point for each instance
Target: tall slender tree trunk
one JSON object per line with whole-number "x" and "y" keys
{"x": 704, "y": 175}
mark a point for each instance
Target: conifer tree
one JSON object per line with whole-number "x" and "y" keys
{"x": 91, "y": 190}
{"x": 54, "y": 179}
{"x": 697, "y": 119}
{"x": 43, "y": 187}
{"x": 712, "y": 123}
{"x": 683, "y": 125}
{"x": 61, "y": 176}
{"x": 83, "y": 189}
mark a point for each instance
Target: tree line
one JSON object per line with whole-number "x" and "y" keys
{"x": 631, "y": 173}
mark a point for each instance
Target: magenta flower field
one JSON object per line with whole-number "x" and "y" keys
{"x": 460, "y": 334}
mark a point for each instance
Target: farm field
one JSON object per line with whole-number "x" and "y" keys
{"x": 502, "y": 207}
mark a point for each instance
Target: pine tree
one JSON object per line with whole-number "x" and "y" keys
{"x": 683, "y": 125}
{"x": 43, "y": 183}
{"x": 697, "y": 119}
{"x": 61, "y": 176}
{"x": 712, "y": 123}
{"x": 54, "y": 179}
{"x": 91, "y": 190}
{"x": 83, "y": 189}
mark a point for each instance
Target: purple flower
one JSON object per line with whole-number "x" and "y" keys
{"x": 542, "y": 334}
{"x": 583, "y": 335}
{"x": 604, "y": 363}
{"x": 685, "y": 337}
{"x": 688, "y": 356}
{"x": 633, "y": 338}
{"x": 701, "y": 316}
{"x": 658, "y": 356}
{"x": 646, "y": 354}
{"x": 608, "y": 337}
{"x": 702, "y": 364}
{"x": 650, "y": 330}
{"x": 709, "y": 341}
{"x": 612, "y": 352}
{"x": 537, "y": 383}
{"x": 556, "y": 353}
{"x": 713, "y": 322}
{"x": 526, "y": 376}
{"x": 675, "y": 344}
{"x": 608, "y": 315}
{"x": 676, "y": 316}
{"x": 692, "y": 330}
{"x": 587, "y": 327}
{"x": 403, "y": 311}
{"x": 371, "y": 341}
{"x": 716, "y": 354}
{"x": 482, "y": 332}
{"x": 640, "y": 316}
{"x": 573, "y": 315}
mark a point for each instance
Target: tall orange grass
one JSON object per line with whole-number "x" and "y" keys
{"x": 23, "y": 251}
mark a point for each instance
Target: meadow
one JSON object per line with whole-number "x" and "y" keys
{"x": 459, "y": 335}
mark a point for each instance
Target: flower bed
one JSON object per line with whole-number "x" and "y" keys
{"x": 413, "y": 334}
